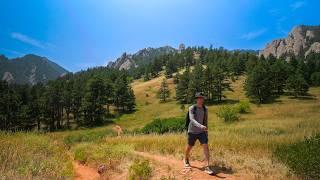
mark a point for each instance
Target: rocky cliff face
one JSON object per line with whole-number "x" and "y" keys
{"x": 143, "y": 56}
{"x": 301, "y": 41}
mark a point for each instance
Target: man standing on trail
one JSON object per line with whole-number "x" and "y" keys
{"x": 198, "y": 129}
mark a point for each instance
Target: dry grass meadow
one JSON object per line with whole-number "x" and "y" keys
{"x": 245, "y": 147}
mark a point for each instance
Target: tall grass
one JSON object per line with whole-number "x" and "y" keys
{"x": 32, "y": 156}
{"x": 93, "y": 153}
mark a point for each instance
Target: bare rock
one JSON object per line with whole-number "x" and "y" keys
{"x": 102, "y": 168}
{"x": 299, "y": 41}
{"x": 7, "y": 76}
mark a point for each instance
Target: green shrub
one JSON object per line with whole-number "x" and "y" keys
{"x": 243, "y": 107}
{"x": 86, "y": 136}
{"x": 228, "y": 113}
{"x": 302, "y": 157}
{"x": 161, "y": 126}
{"x": 140, "y": 169}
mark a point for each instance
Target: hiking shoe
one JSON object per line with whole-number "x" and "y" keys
{"x": 208, "y": 170}
{"x": 186, "y": 163}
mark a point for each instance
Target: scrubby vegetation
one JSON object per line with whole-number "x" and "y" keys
{"x": 243, "y": 107}
{"x": 228, "y": 113}
{"x": 32, "y": 156}
{"x": 161, "y": 126}
{"x": 140, "y": 169}
{"x": 302, "y": 157}
{"x": 100, "y": 153}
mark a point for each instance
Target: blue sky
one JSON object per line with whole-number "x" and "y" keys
{"x": 83, "y": 33}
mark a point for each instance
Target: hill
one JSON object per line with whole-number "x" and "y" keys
{"x": 143, "y": 56}
{"x": 301, "y": 41}
{"x": 240, "y": 150}
{"x": 29, "y": 69}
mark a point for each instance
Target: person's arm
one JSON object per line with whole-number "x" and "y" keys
{"x": 193, "y": 120}
{"x": 206, "y": 117}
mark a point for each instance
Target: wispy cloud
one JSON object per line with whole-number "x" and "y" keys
{"x": 253, "y": 34}
{"x": 31, "y": 41}
{"x": 297, "y": 5}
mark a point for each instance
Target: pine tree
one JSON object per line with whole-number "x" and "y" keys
{"x": 164, "y": 92}
{"x": 297, "y": 85}
{"x": 67, "y": 99}
{"x": 109, "y": 94}
{"x": 220, "y": 80}
{"x": 279, "y": 71}
{"x": 196, "y": 82}
{"x": 124, "y": 96}
{"x": 76, "y": 100}
{"x": 182, "y": 87}
{"x": 130, "y": 103}
{"x": 257, "y": 85}
{"x": 94, "y": 101}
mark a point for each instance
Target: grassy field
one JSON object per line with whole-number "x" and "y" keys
{"x": 245, "y": 146}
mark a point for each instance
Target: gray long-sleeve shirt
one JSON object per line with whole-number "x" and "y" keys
{"x": 196, "y": 120}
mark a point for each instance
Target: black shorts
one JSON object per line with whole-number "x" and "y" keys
{"x": 192, "y": 138}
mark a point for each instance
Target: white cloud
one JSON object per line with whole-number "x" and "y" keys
{"x": 31, "y": 41}
{"x": 253, "y": 34}
{"x": 297, "y": 5}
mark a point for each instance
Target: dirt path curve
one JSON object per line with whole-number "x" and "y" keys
{"x": 195, "y": 172}
{"x": 84, "y": 172}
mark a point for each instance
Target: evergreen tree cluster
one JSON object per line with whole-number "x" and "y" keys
{"x": 82, "y": 99}
{"x": 271, "y": 77}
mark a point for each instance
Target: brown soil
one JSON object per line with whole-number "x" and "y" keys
{"x": 84, "y": 172}
{"x": 168, "y": 166}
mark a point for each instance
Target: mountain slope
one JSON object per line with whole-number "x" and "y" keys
{"x": 29, "y": 69}
{"x": 301, "y": 41}
{"x": 143, "y": 56}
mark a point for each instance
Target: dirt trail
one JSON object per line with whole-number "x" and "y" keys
{"x": 84, "y": 172}
{"x": 196, "y": 172}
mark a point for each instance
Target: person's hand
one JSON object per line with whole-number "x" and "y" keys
{"x": 205, "y": 128}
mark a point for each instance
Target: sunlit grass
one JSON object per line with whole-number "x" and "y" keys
{"x": 32, "y": 156}
{"x": 245, "y": 145}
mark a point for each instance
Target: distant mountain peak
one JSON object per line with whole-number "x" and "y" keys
{"x": 145, "y": 55}
{"x": 29, "y": 69}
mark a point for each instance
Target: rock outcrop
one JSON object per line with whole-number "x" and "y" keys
{"x": 301, "y": 41}
{"x": 143, "y": 56}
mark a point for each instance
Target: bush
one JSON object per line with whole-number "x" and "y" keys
{"x": 161, "y": 126}
{"x": 86, "y": 136}
{"x": 302, "y": 157}
{"x": 140, "y": 169}
{"x": 243, "y": 107}
{"x": 228, "y": 113}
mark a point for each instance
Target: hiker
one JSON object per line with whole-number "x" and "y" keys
{"x": 197, "y": 125}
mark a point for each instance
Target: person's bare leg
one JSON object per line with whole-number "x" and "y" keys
{"x": 187, "y": 151}
{"x": 206, "y": 153}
